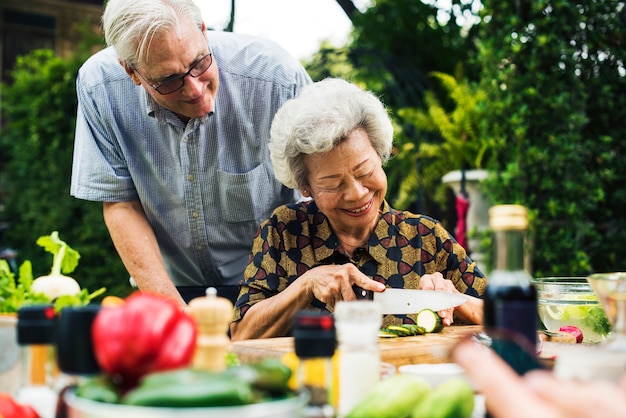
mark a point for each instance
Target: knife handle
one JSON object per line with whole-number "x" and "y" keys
{"x": 362, "y": 294}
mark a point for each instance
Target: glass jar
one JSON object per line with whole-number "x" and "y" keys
{"x": 358, "y": 323}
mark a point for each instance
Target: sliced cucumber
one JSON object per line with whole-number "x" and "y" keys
{"x": 429, "y": 320}
{"x": 401, "y": 331}
{"x": 415, "y": 329}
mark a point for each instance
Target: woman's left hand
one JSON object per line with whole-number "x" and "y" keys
{"x": 436, "y": 281}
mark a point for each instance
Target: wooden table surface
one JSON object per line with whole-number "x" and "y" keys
{"x": 429, "y": 348}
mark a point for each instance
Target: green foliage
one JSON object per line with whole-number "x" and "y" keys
{"x": 451, "y": 134}
{"x": 329, "y": 61}
{"x": 397, "y": 42}
{"x": 36, "y": 145}
{"x": 555, "y": 80}
{"x": 395, "y": 45}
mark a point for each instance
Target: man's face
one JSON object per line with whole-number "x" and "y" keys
{"x": 172, "y": 55}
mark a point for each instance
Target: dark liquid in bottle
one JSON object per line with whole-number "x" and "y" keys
{"x": 513, "y": 308}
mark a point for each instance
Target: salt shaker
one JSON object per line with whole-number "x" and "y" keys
{"x": 212, "y": 315}
{"x": 357, "y": 323}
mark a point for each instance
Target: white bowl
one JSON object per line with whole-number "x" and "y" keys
{"x": 293, "y": 407}
{"x": 435, "y": 374}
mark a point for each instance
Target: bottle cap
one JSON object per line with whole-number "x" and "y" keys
{"x": 75, "y": 350}
{"x": 314, "y": 334}
{"x": 508, "y": 217}
{"x": 35, "y": 325}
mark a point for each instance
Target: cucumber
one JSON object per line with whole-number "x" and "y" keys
{"x": 213, "y": 391}
{"x": 394, "y": 397}
{"x": 415, "y": 329}
{"x": 99, "y": 388}
{"x": 453, "y": 398}
{"x": 429, "y": 320}
{"x": 401, "y": 331}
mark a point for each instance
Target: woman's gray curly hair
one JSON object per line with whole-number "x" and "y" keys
{"x": 319, "y": 119}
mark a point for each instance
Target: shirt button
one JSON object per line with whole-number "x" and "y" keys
{"x": 190, "y": 177}
{"x": 195, "y": 214}
{"x": 185, "y": 139}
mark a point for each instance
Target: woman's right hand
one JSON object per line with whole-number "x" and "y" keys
{"x": 333, "y": 283}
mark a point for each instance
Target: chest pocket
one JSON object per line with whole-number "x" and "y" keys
{"x": 245, "y": 197}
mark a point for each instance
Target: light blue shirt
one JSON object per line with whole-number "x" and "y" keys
{"x": 205, "y": 186}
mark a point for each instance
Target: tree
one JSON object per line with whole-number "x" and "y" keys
{"x": 555, "y": 79}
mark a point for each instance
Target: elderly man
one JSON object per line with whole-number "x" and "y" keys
{"x": 172, "y": 130}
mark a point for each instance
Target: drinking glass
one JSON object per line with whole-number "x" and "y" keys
{"x": 610, "y": 288}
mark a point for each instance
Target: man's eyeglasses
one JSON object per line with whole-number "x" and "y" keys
{"x": 177, "y": 82}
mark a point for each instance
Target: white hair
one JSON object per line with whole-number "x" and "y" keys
{"x": 319, "y": 119}
{"x": 130, "y": 25}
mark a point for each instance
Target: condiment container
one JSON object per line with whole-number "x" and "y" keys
{"x": 357, "y": 323}
{"x": 315, "y": 342}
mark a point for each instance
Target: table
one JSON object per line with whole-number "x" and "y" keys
{"x": 428, "y": 348}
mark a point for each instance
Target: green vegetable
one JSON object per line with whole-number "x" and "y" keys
{"x": 272, "y": 376}
{"x": 596, "y": 319}
{"x": 394, "y": 397}
{"x": 429, "y": 320}
{"x": 415, "y": 329}
{"x": 65, "y": 261}
{"x": 99, "y": 389}
{"x": 399, "y": 330}
{"x": 13, "y": 293}
{"x": 237, "y": 385}
{"x": 269, "y": 375}
{"x": 404, "y": 330}
{"x": 211, "y": 390}
{"x": 453, "y": 398}
{"x": 17, "y": 293}
{"x": 178, "y": 376}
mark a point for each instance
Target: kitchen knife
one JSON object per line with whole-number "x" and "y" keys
{"x": 407, "y": 301}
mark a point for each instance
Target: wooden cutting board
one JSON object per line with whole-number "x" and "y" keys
{"x": 428, "y": 348}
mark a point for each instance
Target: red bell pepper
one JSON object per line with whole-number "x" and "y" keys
{"x": 145, "y": 334}
{"x": 9, "y": 408}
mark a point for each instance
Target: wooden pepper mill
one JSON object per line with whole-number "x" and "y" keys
{"x": 212, "y": 315}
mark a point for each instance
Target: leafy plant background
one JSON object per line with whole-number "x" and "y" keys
{"x": 36, "y": 145}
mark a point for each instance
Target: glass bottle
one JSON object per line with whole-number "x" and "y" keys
{"x": 358, "y": 323}
{"x": 35, "y": 335}
{"x": 510, "y": 298}
{"x": 315, "y": 342}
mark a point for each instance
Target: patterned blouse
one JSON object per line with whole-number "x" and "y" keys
{"x": 404, "y": 246}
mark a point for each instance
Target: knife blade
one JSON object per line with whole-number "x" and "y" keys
{"x": 407, "y": 301}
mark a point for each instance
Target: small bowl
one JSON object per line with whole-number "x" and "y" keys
{"x": 435, "y": 374}
{"x": 563, "y": 301}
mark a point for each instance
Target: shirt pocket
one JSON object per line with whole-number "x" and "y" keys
{"x": 246, "y": 197}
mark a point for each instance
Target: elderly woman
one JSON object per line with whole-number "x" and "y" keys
{"x": 331, "y": 143}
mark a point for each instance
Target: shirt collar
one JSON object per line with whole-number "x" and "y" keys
{"x": 381, "y": 232}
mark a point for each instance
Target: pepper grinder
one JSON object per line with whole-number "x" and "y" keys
{"x": 212, "y": 315}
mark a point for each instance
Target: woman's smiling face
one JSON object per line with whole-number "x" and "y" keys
{"x": 348, "y": 184}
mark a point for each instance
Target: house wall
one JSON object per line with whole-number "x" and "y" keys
{"x": 25, "y": 26}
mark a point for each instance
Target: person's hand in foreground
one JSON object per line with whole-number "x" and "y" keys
{"x": 538, "y": 393}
